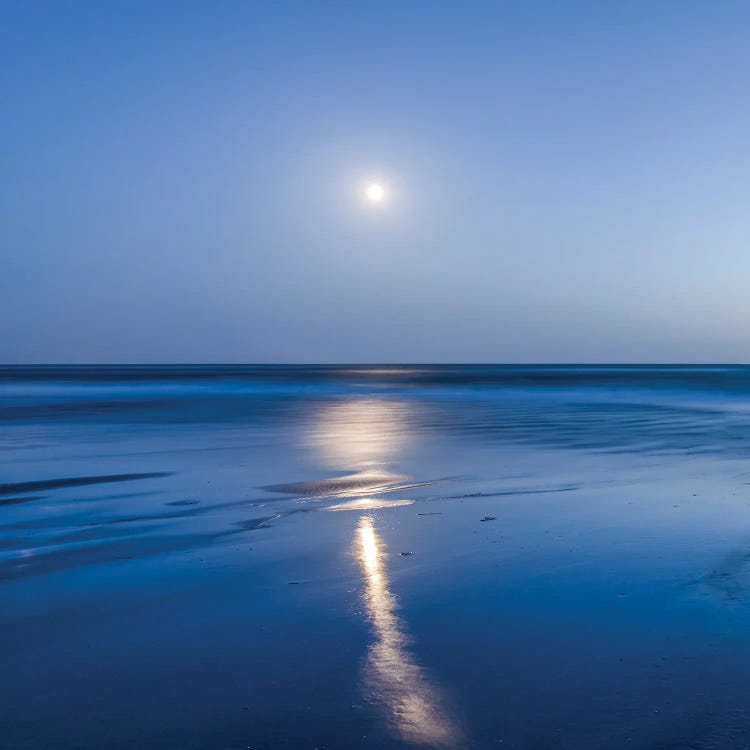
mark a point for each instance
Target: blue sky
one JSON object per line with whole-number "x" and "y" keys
{"x": 568, "y": 181}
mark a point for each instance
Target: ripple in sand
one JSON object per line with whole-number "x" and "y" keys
{"x": 17, "y": 488}
{"x": 349, "y": 483}
{"x": 368, "y": 503}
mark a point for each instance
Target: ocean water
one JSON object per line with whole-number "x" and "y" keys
{"x": 374, "y": 557}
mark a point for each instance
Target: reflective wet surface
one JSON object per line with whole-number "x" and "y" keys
{"x": 375, "y": 557}
{"x": 412, "y": 703}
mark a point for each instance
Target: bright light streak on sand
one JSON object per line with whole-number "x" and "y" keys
{"x": 414, "y": 707}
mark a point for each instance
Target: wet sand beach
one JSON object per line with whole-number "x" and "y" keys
{"x": 374, "y": 557}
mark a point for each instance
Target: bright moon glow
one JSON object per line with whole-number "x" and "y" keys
{"x": 375, "y": 193}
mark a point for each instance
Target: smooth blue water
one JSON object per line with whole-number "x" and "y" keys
{"x": 374, "y": 557}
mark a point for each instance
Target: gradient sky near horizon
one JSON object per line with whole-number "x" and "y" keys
{"x": 568, "y": 181}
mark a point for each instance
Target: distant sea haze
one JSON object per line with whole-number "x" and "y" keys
{"x": 606, "y": 406}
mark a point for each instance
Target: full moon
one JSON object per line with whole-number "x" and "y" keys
{"x": 375, "y": 192}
